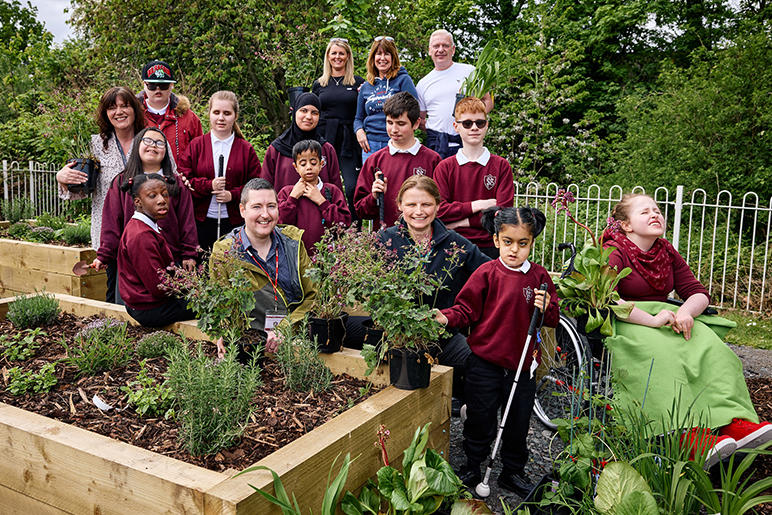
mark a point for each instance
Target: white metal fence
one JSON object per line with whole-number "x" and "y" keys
{"x": 725, "y": 240}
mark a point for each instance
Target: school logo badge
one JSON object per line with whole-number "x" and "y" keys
{"x": 324, "y": 161}
{"x": 419, "y": 171}
{"x": 489, "y": 181}
{"x": 528, "y": 293}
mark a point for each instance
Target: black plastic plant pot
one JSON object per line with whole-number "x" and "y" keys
{"x": 409, "y": 369}
{"x": 459, "y": 98}
{"x": 91, "y": 168}
{"x": 329, "y": 332}
{"x": 294, "y": 92}
{"x": 373, "y": 335}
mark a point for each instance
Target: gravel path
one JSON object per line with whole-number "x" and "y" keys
{"x": 542, "y": 442}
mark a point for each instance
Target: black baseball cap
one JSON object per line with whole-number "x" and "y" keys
{"x": 158, "y": 71}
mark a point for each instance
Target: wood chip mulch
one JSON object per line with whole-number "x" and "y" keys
{"x": 282, "y": 416}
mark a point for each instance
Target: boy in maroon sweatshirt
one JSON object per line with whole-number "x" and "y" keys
{"x": 310, "y": 204}
{"x": 402, "y": 157}
{"x": 474, "y": 179}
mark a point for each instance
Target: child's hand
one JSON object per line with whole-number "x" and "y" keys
{"x": 223, "y": 196}
{"x": 439, "y": 317}
{"x": 98, "y": 265}
{"x": 313, "y": 194}
{"x": 683, "y": 323}
{"x": 542, "y": 299}
{"x": 298, "y": 189}
{"x": 664, "y": 317}
{"x": 379, "y": 186}
{"x": 218, "y": 184}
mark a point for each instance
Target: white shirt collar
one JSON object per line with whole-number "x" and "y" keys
{"x": 523, "y": 268}
{"x": 482, "y": 160}
{"x": 158, "y": 111}
{"x": 227, "y": 141}
{"x": 413, "y": 150}
{"x": 319, "y": 184}
{"x": 142, "y": 217}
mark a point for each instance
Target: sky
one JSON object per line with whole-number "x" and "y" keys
{"x": 51, "y": 12}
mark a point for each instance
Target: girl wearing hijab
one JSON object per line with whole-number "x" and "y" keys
{"x": 278, "y": 163}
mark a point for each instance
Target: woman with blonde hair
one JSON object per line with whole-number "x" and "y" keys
{"x": 218, "y": 165}
{"x": 385, "y": 78}
{"x": 337, "y": 90}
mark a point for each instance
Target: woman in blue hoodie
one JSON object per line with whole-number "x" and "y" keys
{"x": 385, "y": 78}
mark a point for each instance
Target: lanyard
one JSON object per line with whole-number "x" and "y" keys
{"x": 120, "y": 149}
{"x": 275, "y": 284}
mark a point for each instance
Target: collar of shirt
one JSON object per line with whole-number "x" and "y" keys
{"x": 246, "y": 245}
{"x": 412, "y": 150}
{"x": 221, "y": 147}
{"x": 523, "y": 268}
{"x": 161, "y": 111}
{"x": 142, "y": 217}
{"x": 319, "y": 184}
{"x": 482, "y": 160}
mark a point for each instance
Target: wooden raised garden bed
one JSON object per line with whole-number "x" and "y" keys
{"x": 49, "y": 467}
{"x": 25, "y": 266}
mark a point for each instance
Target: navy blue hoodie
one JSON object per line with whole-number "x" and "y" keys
{"x": 370, "y": 102}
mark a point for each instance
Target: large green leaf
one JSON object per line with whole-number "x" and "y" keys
{"x": 618, "y": 480}
{"x": 638, "y": 503}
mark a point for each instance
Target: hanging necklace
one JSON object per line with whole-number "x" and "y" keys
{"x": 337, "y": 82}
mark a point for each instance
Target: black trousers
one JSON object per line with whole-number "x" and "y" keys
{"x": 175, "y": 310}
{"x": 113, "y": 293}
{"x": 207, "y": 230}
{"x": 487, "y": 391}
{"x": 349, "y": 169}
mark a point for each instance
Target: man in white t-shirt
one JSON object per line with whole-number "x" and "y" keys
{"x": 437, "y": 95}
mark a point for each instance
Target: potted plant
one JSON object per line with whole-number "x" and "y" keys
{"x": 589, "y": 293}
{"x": 488, "y": 71}
{"x": 87, "y": 164}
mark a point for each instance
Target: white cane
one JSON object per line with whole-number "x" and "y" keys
{"x": 220, "y": 173}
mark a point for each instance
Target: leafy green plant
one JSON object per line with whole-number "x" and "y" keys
{"x": 41, "y": 235}
{"x": 19, "y": 230}
{"x": 213, "y": 399}
{"x": 157, "y": 344}
{"x": 78, "y": 234}
{"x": 21, "y": 346}
{"x": 146, "y": 397}
{"x": 53, "y": 221}
{"x": 16, "y": 209}
{"x": 102, "y": 345}
{"x": 20, "y": 382}
{"x": 33, "y": 310}
{"x": 621, "y": 489}
{"x": 328, "y": 271}
{"x": 489, "y": 70}
{"x": 298, "y": 358}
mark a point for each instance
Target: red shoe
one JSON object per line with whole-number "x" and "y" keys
{"x": 747, "y": 434}
{"x": 715, "y": 448}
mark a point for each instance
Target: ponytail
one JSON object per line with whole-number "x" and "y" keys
{"x": 134, "y": 184}
{"x": 493, "y": 218}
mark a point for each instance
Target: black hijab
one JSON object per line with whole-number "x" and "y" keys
{"x": 287, "y": 140}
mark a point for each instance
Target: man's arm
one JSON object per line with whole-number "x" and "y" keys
{"x": 487, "y": 99}
{"x": 422, "y": 126}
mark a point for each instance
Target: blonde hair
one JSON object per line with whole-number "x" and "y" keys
{"x": 348, "y": 75}
{"x": 470, "y": 105}
{"x": 386, "y": 46}
{"x": 442, "y": 32}
{"x": 621, "y": 212}
{"x": 422, "y": 183}
{"x": 229, "y": 96}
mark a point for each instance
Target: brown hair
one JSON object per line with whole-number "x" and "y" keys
{"x": 621, "y": 212}
{"x": 470, "y": 105}
{"x": 386, "y": 46}
{"x": 230, "y": 96}
{"x": 420, "y": 182}
{"x": 109, "y": 99}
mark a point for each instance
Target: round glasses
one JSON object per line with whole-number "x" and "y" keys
{"x": 157, "y": 143}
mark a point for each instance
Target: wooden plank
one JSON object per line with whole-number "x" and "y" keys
{"x": 14, "y": 503}
{"x": 40, "y": 256}
{"x": 18, "y": 279}
{"x": 349, "y": 361}
{"x": 84, "y": 473}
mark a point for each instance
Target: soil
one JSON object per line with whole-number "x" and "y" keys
{"x": 282, "y": 416}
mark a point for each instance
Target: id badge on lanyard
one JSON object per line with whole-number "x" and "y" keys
{"x": 273, "y": 317}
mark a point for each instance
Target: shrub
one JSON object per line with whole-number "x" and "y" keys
{"x": 157, "y": 344}
{"x": 148, "y": 398}
{"x": 102, "y": 345}
{"x": 34, "y": 311}
{"x": 20, "y": 382}
{"x": 52, "y": 221}
{"x": 78, "y": 234}
{"x": 19, "y": 230}
{"x": 213, "y": 399}
{"x": 16, "y": 209}
{"x": 298, "y": 358}
{"x": 41, "y": 235}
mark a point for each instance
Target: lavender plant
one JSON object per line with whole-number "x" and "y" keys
{"x": 157, "y": 344}
{"x": 102, "y": 345}
{"x": 33, "y": 311}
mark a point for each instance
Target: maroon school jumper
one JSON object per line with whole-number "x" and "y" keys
{"x": 178, "y": 228}
{"x": 197, "y": 164}
{"x": 396, "y": 168}
{"x": 498, "y": 303}
{"x": 278, "y": 169}
{"x": 461, "y": 184}
{"x": 142, "y": 252}
{"x": 305, "y": 214}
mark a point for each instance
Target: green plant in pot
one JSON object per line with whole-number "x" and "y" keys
{"x": 589, "y": 291}
{"x": 86, "y": 163}
{"x": 489, "y": 70}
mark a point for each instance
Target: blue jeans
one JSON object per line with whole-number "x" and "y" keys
{"x": 375, "y": 146}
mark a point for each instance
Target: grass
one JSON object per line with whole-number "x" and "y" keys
{"x": 753, "y": 329}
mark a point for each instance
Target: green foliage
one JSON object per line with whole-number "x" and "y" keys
{"x": 16, "y": 209}
{"x": 488, "y": 72}
{"x": 22, "y": 346}
{"x": 213, "y": 399}
{"x": 78, "y": 234}
{"x": 20, "y": 382}
{"x": 41, "y": 235}
{"x": 752, "y": 330}
{"x": 147, "y": 397}
{"x": 157, "y": 344}
{"x": 102, "y": 345}
{"x": 19, "y": 231}
{"x": 33, "y": 311}
{"x": 622, "y": 490}
{"x": 303, "y": 368}
{"x": 53, "y": 221}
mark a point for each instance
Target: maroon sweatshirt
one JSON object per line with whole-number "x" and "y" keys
{"x": 498, "y": 303}
{"x": 197, "y": 164}
{"x": 278, "y": 169}
{"x": 396, "y": 168}
{"x": 142, "y": 252}
{"x": 178, "y": 228}
{"x": 305, "y": 214}
{"x": 460, "y": 185}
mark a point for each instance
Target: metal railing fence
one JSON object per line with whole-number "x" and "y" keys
{"x": 36, "y": 182}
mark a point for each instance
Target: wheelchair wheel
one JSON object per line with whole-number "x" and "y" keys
{"x": 564, "y": 374}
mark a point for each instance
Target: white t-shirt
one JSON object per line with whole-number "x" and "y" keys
{"x": 437, "y": 95}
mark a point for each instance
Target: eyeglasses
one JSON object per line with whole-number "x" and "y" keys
{"x": 338, "y": 40}
{"x": 387, "y": 38}
{"x": 152, "y": 86}
{"x": 157, "y": 143}
{"x": 467, "y": 124}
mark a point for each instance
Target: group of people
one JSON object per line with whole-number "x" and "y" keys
{"x": 166, "y": 189}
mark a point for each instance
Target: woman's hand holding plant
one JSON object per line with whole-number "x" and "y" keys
{"x": 69, "y": 176}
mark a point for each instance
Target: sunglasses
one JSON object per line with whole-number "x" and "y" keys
{"x": 387, "y": 38}
{"x": 157, "y": 143}
{"x": 152, "y": 86}
{"x": 467, "y": 124}
{"x": 338, "y": 40}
